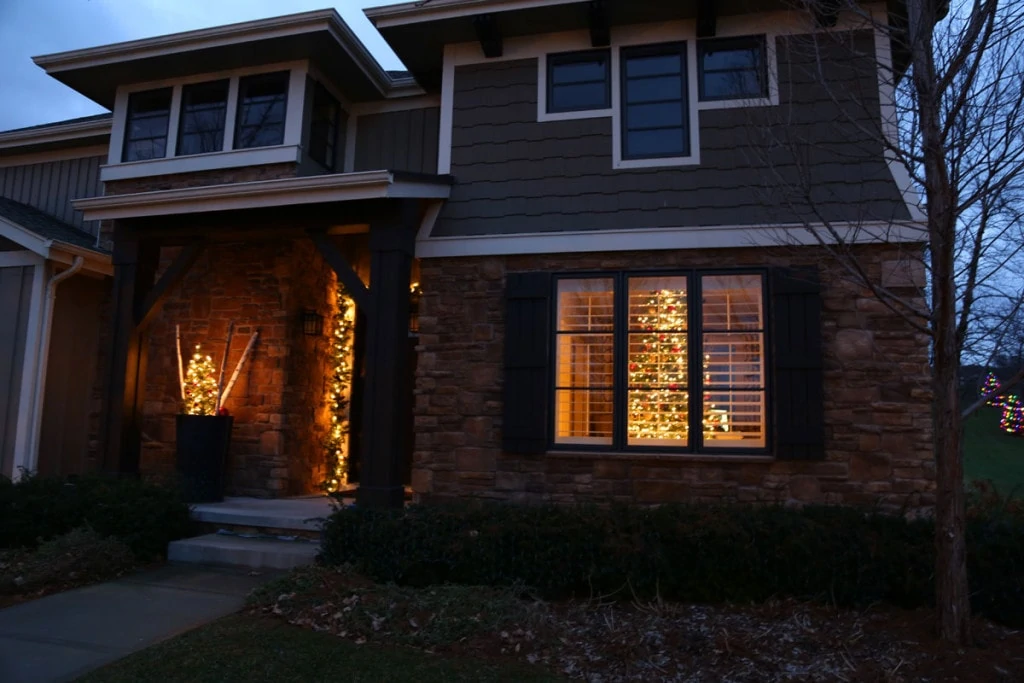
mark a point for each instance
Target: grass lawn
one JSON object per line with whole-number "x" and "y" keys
{"x": 254, "y": 649}
{"x": 990, "y": 453}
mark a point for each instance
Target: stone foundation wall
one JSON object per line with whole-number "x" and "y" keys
{"x": 877, "y": 411}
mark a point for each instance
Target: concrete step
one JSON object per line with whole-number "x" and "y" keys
{"x": 237, "y": 551}
{"x": 274, "y": 515}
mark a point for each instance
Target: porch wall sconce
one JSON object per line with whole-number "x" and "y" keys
{"x": 312, "y": 323}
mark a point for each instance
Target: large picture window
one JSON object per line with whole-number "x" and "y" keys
{"x": 262, "y": 101}
{"x": 674, "y": 361}
{"x": 145, "y": 132}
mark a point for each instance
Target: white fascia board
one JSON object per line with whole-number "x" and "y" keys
{"x": 63, "y": 154}
{"x": 417, "y": 12}
{"x": 659, "y": 239}
{"x": 25, "y": 238}
{"x": 259, "y": 194}
{"x": 55, "y": 133}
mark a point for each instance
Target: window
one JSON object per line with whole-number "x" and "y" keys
{"x": 201, "y": 128}
{"x": 323, "y": 131}
{"x": 262, "y": 101}
{"x": 661, "y": 361}
{"x": 145, "y": 131}
{"x": 579, "y": 81}
{"x": 732, "y": 68}
{"x": 655, "y": 112}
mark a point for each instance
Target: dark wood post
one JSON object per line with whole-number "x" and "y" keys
{"x": 387, "y": 395}
{"x": 135, "y": 263}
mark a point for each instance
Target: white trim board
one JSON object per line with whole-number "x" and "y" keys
{"x": 54, "y": 155}
{"x": 279, "y": 154}
{"x": 57, "y": 132}
{"x": 39, "y": 249}
{"x": 649, "y": 239}
{"x": 419, "y": 12}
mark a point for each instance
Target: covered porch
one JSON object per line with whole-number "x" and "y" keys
{"x": 271, "y": 256}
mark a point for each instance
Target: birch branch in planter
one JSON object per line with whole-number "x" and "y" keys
{"x": 238, "y": 368}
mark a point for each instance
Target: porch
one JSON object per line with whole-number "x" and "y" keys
{"x": 268, "y": 256}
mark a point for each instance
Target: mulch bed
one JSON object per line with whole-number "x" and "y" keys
{"x": 603, "y": 641}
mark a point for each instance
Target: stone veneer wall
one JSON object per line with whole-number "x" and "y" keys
{"x": 878, "y": 422}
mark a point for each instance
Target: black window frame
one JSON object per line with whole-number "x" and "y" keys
{"x": 564, "y": 58}
{"x": 695, "y": 349}
{"x": 660, "y": 49}
{"x": 126, "y": 144}
{"x": 184, "y": 112}
{"x": 329, "y": 154}
{"x": 760, "y": 41}
{"x": 243, "y": 84}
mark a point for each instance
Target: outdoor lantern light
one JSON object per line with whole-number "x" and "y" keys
{"x": 312, "y": 323}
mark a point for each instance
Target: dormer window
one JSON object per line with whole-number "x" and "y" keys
{"x": 203, "y": 108}
{"x": 262, "y": 104}
{"x": 145, "y": 134}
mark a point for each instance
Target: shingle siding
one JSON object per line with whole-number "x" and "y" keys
{"x": 50, "y": 186}
{"x": 757, "y": 165}
{"x": 398, "y": 141}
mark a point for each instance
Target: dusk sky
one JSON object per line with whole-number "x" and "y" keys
{"x": 37, "y": 27}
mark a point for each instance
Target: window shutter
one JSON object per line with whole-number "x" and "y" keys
{"x": 527, "y": 394}
{"x": 798, "y": 388}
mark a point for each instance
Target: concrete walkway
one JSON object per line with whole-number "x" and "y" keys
{"x": 63, "y": 636}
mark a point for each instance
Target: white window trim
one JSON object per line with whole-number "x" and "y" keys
{"x": 210, "y": 161}
{"x": 772, "y": 71}
{"x": 542, "y": 93}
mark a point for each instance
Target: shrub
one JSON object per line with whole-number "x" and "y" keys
{"x": 78, "y": 557}
{"x": 689, "y": 553}
{"x": 144, "y": 516}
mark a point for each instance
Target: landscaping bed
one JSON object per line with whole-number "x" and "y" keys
{"x": 634, "y": 640}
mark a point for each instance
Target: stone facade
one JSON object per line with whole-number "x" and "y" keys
{"x": 877, "y": 410}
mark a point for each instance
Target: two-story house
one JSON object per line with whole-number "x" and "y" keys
{"x": 613, "y": 219}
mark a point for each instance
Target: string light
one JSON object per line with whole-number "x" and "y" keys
{"x": 991, "y": 384}
{"x": 200, "y": 385}
{"x": 1012, "y": 421}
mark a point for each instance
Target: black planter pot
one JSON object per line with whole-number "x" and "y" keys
{"x": 202, "y": 454}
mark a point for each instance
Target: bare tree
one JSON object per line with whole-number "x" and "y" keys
{"x": 949, "y": 110}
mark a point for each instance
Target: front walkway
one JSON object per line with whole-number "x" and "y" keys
{"x": 63, "y": 636}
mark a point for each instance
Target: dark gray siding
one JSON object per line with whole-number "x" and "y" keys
{"x": 398, "y": 141}
{"x": 15, "y": 300}
{"x": 757, "y": 165}
{"x": 50, "y": 186}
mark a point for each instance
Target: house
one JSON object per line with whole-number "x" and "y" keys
{"x": 576, "y": 245}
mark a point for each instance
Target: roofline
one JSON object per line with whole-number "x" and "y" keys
{"x": 58, "y": 132}
{"x": 231, "y": 34}
{"x": 257, "y": 194}
{"x": 55, "y": 250}
{"x": 418, "y": 12}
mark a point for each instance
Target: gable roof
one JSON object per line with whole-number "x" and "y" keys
{"x": 45, "y": 226}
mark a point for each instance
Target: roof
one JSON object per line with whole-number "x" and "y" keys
{"x": 80, "y": 132}
{"x": 106, "y": 116}
{"x": 46, "y": 226}
{"x": 321, "y": 36}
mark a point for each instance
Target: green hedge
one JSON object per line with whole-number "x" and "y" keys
{"x": 144, "y": 516}
{"x": 688, "y": 553}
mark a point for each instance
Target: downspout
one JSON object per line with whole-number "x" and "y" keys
{"x": 44, "y": 356}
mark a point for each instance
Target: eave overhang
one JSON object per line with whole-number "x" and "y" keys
{"x": 77, "y": 133}
{"x": 95, "y": 260}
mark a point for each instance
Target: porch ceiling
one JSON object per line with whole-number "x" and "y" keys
{"x": 326, "y": 189}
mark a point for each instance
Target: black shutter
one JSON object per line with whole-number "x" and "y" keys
{"x": 797, "y": 390}
{"x": 527, "y": 394}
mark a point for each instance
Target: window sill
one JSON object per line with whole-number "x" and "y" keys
{"x": 254, "y": 156}
{"x": 543, "y": 116}
{"x": 661, "y": 457}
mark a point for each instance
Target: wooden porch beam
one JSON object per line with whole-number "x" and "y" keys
{"x": 487, "y": 32}
{"x": 597, "y": 14}
{"x": 174, "y": 274}
{"x": 356, "y": 289}
{"x": 707, "y": 19}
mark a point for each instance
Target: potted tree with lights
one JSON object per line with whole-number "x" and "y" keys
{"x": 203, "y": 428}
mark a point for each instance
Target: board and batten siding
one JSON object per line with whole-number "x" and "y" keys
{"x": 51, "y": 185}
{"x": 514, "y": 174}
{"x": 15, "y": 301}
{"x": 398, "y": 141}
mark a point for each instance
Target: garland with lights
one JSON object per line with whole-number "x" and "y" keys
{"x": 1012, "y": 421}
{"x": 339, "y": 394}
{"x": 659, "y": 359}
{"x": 200, "y": 388}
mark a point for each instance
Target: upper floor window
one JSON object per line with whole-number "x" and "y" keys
{"x": 579, "y": 81}
{"x": 732, "y": 68}
{"x": 262, "y": 101}
{"x": 145, "y": 131}
{"x": 655, "y": 111}
{"x": 203, "y": 109}
{"x": 323, "y": 131}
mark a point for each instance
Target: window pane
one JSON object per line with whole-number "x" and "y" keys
{"x": 585, "y": 304}
{"x": 584, "y": 361}
{"x": 655, "y": 143}
{"x": 732, "y": 302}
{"x": 145, "y": 134}
{"x": 732, "y": 84}
{"x": 658, "y": 359}
{"x": 203, "y": 109}
{"x": 323, "y": 127}
{"x": 583, "y": 417}
{"x": 655, "y": 89}
{"x": 653, "y": 130}
{"x": 657, "y": 303}
{"x": 654, "y": 65}
{"x": 734, "y": 419}
{"x": 716, "y": 59}
{"x": 665, "y": 115}
{"x": 261, "y": 110}
{"x": 658, "y": 418}
{"x": 734, "y": 360}
{"x": 732, "y": 68}
{"x": 579, "y": 71}
{"x": 579, "y": 97}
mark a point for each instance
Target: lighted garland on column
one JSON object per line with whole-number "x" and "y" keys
{"x": 339, "y": 392}
{"x": 1012, "y": 421}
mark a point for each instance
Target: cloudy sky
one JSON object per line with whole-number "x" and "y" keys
{"x": 37, "y": 27}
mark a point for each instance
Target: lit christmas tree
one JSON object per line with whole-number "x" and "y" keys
{"x": 340, "y": 359}
{"x": 1012, "y": 421}
{"x": 658, "y": 367}
{"x": 200, "y": 386}
{"x": 991, "y": 384}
